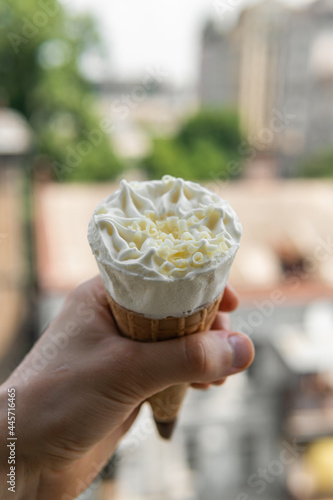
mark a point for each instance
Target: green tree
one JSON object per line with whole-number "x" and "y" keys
{"x": 42, "y": 48}
{"x": 318, "y": 165}
{"x": 204, "y": 148}
{"x": 220, "y": 128}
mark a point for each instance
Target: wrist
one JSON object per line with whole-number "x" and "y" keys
{"x": 16, "y": 480}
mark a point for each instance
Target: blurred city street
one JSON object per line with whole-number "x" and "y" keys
{"x": 239, "y": 98}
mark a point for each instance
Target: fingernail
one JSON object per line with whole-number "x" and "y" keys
{"x": 243, "y": 350}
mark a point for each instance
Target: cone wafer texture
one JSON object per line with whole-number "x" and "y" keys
{"x": 139, "y": 327}
{"x": 165, "y": 404}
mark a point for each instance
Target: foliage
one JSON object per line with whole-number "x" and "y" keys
{"x": 319, "y": 165}
{"x": 41, "y": 52}
{"x": 204, "y": 148}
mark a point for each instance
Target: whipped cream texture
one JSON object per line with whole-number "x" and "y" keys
{"x": 164, "y": 248}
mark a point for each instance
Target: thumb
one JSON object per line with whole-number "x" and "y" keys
{"x": 203, "y": 358}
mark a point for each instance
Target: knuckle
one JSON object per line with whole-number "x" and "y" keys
{"x": 125, "y": 356}
{"x": 141, "y": 376}
{"x": 196, "y": 355}
{"x": 208, "y": 360}
{"x": 123, "y": 369}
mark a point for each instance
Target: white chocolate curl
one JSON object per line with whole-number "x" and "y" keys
{"x": 164, "y": 248}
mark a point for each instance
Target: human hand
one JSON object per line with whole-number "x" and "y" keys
{"x": 81, "y": 386}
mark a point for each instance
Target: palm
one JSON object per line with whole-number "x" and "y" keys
{"x": 89, "y": 394}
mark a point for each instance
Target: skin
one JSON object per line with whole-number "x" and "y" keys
{"x": 80, "y": 389}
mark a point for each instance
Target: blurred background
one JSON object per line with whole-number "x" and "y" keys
{"x": 239, "y": 96}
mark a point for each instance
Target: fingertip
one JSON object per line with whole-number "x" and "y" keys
{"x": 220, "y": 382}
{"x": 243, "y": 350}
{"x": 230, "y": 300}
{"x": 201, "y": 387}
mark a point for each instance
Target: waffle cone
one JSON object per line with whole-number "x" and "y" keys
{"x": 165, "y": 404}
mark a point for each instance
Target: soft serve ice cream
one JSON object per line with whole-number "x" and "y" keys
{"x": 164, "y": 248}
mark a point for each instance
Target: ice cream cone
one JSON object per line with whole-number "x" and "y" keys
{"x": 165, "y": 404}
{"x": 164, "y": 249}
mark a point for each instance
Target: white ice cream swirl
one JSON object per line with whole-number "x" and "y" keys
{"x": 166, "y": 229}
{"x": 169, "y": 231}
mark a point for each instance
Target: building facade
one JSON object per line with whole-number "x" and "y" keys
{"x": 276, "y": 62}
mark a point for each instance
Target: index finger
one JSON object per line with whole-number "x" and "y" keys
{"x": 230, "y": 300}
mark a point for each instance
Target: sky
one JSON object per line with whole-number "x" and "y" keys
{"x": 155, "y": 35}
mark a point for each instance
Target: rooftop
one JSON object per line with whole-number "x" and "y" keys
{"x": 287, "y": 235}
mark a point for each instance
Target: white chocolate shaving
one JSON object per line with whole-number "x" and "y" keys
{"x": 167, "y": 229}
{"x": 164, "y": 248}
